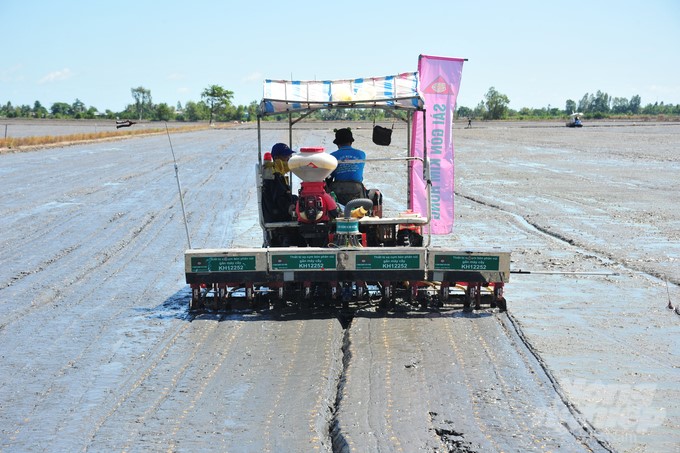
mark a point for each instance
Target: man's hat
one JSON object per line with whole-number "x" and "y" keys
{"x": 343, "y": 136}
{"x": 281, "y": 150}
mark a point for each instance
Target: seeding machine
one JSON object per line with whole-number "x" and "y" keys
{"x": 346, "y": 260}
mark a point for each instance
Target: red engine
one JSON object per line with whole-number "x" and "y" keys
{"x": 315, "y": 205}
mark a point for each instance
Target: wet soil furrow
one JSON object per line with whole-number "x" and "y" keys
{"x": 93, "y": 347}
{"x": 49, "y": 295}
{"x": 134, "y": 381}
{"x": 339, "y": 443}
{"x": 607, "y": 256}
{"x": 582, "y": 430}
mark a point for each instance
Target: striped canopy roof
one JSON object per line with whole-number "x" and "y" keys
{"x": 391, "y": 92}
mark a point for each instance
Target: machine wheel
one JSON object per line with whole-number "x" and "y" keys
{"x": 387, "y": 299}
{"x": 260, "y": 302}
{"x": 477, "y": 294}
{"x": 346, "y": 294}
{"x": 280, "y": 302}
{"x": 360, "y": 291}
{"x": 467, "y": 300}
{"x": 443, "y": 294}
{"x": 416, "y": 297}
{"x": 222, "y": 298}
{"x": 497, "y": 299}
{"x": 197, "y": 300}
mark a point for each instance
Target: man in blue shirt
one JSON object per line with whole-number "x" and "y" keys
{"x": 347, "y": 178}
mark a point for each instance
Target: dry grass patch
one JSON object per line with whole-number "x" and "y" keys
{"x": 17, "y": 144}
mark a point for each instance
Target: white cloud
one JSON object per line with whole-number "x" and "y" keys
{"x": 253, "y": 77}
{"x": 54, "y": 76}
{"x": 12, "y": 74}
{"x": 665, "y": 90}
{"x": 176, "y": 76}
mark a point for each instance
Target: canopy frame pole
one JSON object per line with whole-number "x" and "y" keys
{"x": 259, "y": 141}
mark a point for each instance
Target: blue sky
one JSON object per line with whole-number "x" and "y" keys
{"x": 538, "y": 53}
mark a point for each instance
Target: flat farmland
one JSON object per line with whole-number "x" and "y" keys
{"x": 99, "y": 352}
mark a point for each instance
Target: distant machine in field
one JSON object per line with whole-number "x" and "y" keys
{"x": 575, "y": 120}
{"x": 124, "y": 123}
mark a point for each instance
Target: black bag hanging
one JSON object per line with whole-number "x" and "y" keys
{"x": 382, "y": 136}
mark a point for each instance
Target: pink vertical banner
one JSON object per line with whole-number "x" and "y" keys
{"x": 439, "y": 80}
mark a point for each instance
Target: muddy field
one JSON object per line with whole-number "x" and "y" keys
{"x": 17, "y": 128}
{"x": 603, "y": 198}
{"x": 99, "y": 353}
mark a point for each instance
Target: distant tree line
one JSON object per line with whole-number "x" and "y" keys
{"x": 495, "y": 106}
{"x": 216, "y": 105}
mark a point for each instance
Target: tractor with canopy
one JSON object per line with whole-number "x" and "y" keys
{"x": 350, "y": 256}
